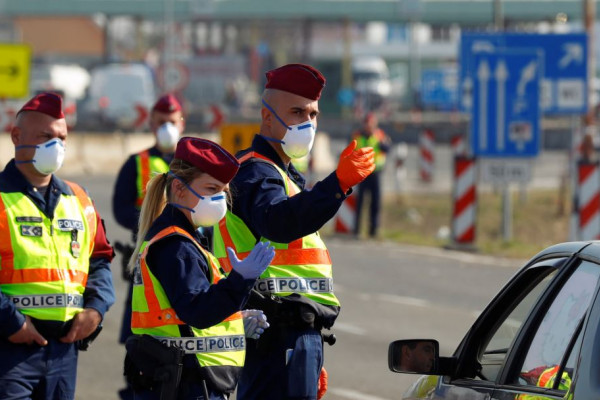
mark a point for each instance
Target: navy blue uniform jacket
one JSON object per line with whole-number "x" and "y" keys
{"x": 99, "y": 291}
{"x": 183, "y": 272}
{"x": 259, "y": 199}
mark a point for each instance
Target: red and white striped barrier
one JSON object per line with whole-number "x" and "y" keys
{"x": 346, "y": 216}
{"x": 459, "y": 148}
{"x": 426, "y": 148}
{"x": 588, "y": 201}
{"x": 465, "y": 201}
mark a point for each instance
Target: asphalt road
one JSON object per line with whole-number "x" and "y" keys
{"x": 387, "y": 291}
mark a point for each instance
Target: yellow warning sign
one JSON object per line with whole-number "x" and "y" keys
{"x": 15, "y": 62}
{"x": 236, "y": 137}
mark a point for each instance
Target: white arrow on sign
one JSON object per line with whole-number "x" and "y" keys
{"x": 573, "y": 53}
{"x": 527, "y": 75}
{"x": 501, "y": 77}
{"x": 483, "y": 74}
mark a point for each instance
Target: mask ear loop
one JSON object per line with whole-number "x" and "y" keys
{"x": 270, "y": 139}
{"x": 26, "y": 146}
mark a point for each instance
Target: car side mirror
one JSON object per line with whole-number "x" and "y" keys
{"x": 420, "y": 356}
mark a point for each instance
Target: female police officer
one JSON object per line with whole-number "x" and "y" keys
{"x": 181, "y": 301}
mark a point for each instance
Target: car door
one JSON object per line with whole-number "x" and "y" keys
{"x": 529, "y": 335}
{"x": 543, "y": 360}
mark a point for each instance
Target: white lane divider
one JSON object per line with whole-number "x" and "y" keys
{"x": 349, "y": 328}
{"x": 353, "y": 394}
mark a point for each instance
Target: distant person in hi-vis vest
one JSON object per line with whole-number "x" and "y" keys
{"x": 271, "y": 204}
{"x": 370, "y": 135}
{"x": 55, "y": 278}
{"x": 189, "y": 333}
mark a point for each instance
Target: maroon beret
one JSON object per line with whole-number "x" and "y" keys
{"x": 300, "y": 79}
{"x": 208, "y": 157}
{"x": 46, "y": 103}
{"x": 167, "y": 104}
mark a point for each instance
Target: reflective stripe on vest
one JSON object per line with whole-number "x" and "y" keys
{"x": 44, "y": 263}
{"x": 216, "y": 346}
{"x": 147, "y": 167}
{"x": 206, "y": 344}
{"x": 298, "y": 266}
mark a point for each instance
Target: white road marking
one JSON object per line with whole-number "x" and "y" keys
{"x": 353, "y": 394}
{"x": 349, "y": 328}
{"x": 409, "y": 301}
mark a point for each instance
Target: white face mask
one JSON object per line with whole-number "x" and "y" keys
{"x": 48, "y": 156}
{"x": 167, "y": 136}
{"x": 209, "y": 210}
{"x": 298, "y": 140}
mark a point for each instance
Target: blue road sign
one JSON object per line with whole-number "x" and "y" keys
{"x": 439, "y": 88}
{"x": 506, "y": 106}
{"x": 564, "y": 80}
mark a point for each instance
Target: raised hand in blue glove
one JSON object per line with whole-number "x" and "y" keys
{"x": 255, "y": 263}
{"x": 255, "y": 323}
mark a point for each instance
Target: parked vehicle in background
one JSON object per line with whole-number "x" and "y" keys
{"x": 119, "y": 97}
{"x": 372, "y": 86}
{"x": 539, "y": 338}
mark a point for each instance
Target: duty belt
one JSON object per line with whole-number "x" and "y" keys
{"x": 294, "y": 285}
{"x": 47, "y": 300}
{"x": 212, "y": 344}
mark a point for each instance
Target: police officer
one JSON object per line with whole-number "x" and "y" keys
{"x": 180, "y": 296}
{"x": 269, "y": 204}
{"x": 55, "y": 278}
{"x": 167, "y": 124}
{"x": 370, "y": 135}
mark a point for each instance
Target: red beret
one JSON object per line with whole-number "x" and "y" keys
{"x": 299, "y": 79}
{"x": 46, "y": 103}
{"x": 208, "y": 157}
{"x": 167, "y": 104}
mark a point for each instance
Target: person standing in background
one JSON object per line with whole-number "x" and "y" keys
{"x": 370, "y": 135}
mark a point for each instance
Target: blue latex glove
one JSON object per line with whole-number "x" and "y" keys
{"x": 257, "y": 261}
{"x": 255, "y": 323}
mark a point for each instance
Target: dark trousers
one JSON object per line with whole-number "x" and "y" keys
{"x": 371, "y": 185}
{"x": 187, "y": 391}
{"x": 289, "y": 370}
{"x": 35, "y": 372}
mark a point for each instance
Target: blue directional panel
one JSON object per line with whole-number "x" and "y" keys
{"x": 439, "y": 88}
{"x": 506, "y": 105}
{"x": 564, "y": 88}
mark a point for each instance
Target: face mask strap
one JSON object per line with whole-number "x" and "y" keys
{"x": 275, "y": 114}
{"x": 27, "y": 146}
{"x": 182, "y": 207}
{"x": 187, "y": 186}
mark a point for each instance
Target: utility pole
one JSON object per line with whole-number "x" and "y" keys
{"x": 589, "y": 14}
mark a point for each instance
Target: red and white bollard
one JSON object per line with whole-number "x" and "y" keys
{"x": 426, "y": 149}
{"x": 459, "y": 147}
{"x": 587, "y": 201}
{"x": 464, "y": 197}
{"x": 346, "y": 216}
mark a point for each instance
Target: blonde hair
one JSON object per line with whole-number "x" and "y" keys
{"x": 158, "y": 193}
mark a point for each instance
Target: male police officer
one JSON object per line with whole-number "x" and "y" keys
{"x": 269, "y": 203}
{"x": 167, "y": 124}
{"x": 55, "y": 279}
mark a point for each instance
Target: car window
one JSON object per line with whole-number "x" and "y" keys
{"x": 556, "y": 341}
{"x": 493, "y": 354}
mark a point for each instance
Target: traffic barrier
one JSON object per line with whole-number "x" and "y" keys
{"x": 426, "y": 148}
{"x": 346, "y": 216}
{"x": 587, "y": 201}
{"x": 464, "y": 197}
